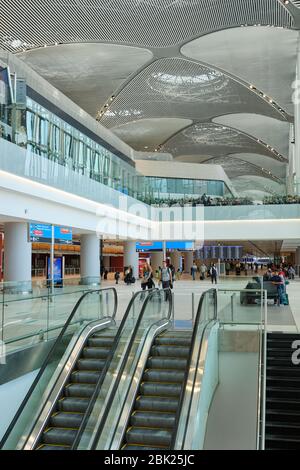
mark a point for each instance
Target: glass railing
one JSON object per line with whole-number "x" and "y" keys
{"x": 27, "y": 318}
{"x": 103, "y": 417}
{"x": 241, "y": 306}
{"x": 100, "y": 306}
{"x": 197, "y": 394}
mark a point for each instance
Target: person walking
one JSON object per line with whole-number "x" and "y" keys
{"x": 214, "y": 274}
{"x": 166, "y": 277}
{"x": 227, "y": 268}
{"x": 147, "y": 274}
{"x": 194, "y": 271}
{"x": 203, "y": 271}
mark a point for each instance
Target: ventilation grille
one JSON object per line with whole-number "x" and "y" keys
{"x": 150, "y": 23}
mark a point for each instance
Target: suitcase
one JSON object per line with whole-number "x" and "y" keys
{"x": 285, "y": 298}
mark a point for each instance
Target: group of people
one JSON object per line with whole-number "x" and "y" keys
{"x": 279, "y": 277}
{"x": 211, "y": 271}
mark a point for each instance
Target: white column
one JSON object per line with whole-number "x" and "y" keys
{"x": 290, "y": 169}
{"x": 188, "y": 261}
{"x": 131, "y": 257}
{"x": 296, "y": 98}
{"x": 90, "y": 259}
{"x": 17, "y": 256}
{"x": 157, "y": 260}
{"x": 175, "y": 259}
{"x": 297, "y": 257}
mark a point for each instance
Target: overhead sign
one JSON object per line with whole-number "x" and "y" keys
{"x": 158, "y": 246}
{"x": 41, "y": 233}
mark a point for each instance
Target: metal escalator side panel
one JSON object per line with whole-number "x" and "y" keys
{"x": 202, "y": 383}
{"x": 59, "y": 379}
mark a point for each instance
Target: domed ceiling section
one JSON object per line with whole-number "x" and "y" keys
{"x": 148, "y": 23}
{"x": 181, "y": 88}
{"x": 213, "y": 139}
{"x": 275, "y": 133}
{"x": 257, "y": 185}
{"x": 147, "y": 134}
{"x": 265, "y": 57}
{"x": 87, "y": 73}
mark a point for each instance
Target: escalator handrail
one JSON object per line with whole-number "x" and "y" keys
{"x": 48, "y": 357}
{"x": 187, "y": 371}
{"x": 121, "y": 369}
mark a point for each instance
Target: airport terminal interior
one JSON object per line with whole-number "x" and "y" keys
{"x": 149, "y": 225}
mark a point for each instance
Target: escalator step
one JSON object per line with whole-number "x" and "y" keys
{"x": 159, "y": 362}
{"x": 87, "y": 377}
{"x": 79, "y": 390}
{"x": 59, "y": 436}
{"x": 164, "y": 404}
{"x": 172, "y": 341}
{"x": 282, "y": 403}
{"x": 176, "y": 334}
{"x": 170, "y": 351}
{"x": 52, "y": 447}
{"x": 290, "y": 382}
{"x": 152, "y": 419}
{"x": 160, "y": 389}
{"x": 100, "y": 342}
{"x": 154, "y": 375}
{"x": 277, "y": 371}
{"x": 66, "y": 420}
{"x": 285, "y": 416}
{"x": 148, "y": 436}
{"x": 140, "y": 447}
{"x": 283, "y": 392}
{"x": 77, "y": 405}
{"x": 90, "y": 364}
{"x": 95, "y": 353}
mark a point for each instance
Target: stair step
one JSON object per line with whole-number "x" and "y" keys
{"x": 280, "y": 352}
{"x": 152, "y": 419}
{"x": 282, "y": 416}
{"x": 73, "y": 404}
{"x": 285, "y": 362}
{"x": 53, "y": 447}
{"x": 170, "y": 351}
{"x": 160, "y": 389}
{"x": 90, "y": 364}
{"x": 140, "y": 447}
{"x": 283, "y": 382}
{"x": 289, "y": 372}
{"x": 283, "y": 429}
{"x": 87, "y": 377}
{"x": 159, "y": 375}
{"x": 282, "y": 403}
{"x": 59, "y": 436}
{"x": 284, "y": 443}
{"x": 79, "y": 390}
{"x": 173, "y": 341}
{"x": 160, "y": 362}
{"x": 95, "y": 353}
{"x": 66, "y": 420}
{"x": 283, "y": 392}
{"x": 166, "y": 404}
{"x": 283, "y": 336}
{"x": 101, "y": 341}
{"x": 149, "y": 436}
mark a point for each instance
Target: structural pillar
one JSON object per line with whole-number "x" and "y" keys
{"x": 90, "y": 259}
{"x": 175, "y": 259}
{"x": 297, "y": 257}
{"x": 17, "y": 257}
{"x": 188, "y": 261}
{"x": 131, "y": 257}
{"x": 157, "y": 260}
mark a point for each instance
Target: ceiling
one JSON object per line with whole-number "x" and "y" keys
{"x": 205, "y": 80}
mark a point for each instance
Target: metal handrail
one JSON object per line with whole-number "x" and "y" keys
{"x": 48, "y": 357}
{"x": 262, "y": 369}
{"x": 187, "y": 372}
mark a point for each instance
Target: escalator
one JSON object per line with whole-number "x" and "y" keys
{"x": 282, "y": 429}
{"x": 61, "y": 428}
{"x": 153, "y": 417}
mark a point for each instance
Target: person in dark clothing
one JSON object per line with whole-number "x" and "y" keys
{"x": 277, "y": 281}
{"x": 214, "y": 274}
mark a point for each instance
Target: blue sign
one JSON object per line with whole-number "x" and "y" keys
{"x": 41, "y": 233}
{"x": 57, "y": 271}
{"x": 158, "y": 246}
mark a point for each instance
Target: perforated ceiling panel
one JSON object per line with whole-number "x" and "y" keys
{"x": 150, "y": 23}
{"x": 212, "y": 139}
{"x": 183, "y": 89}
{"x": 296, "y": 3}
{"x": 234, "y": 167}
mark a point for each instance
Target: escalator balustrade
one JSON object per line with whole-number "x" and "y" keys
{"x": 282, "y": 394}
{"x": 152, "y": 420}
{"x": 61, "y": 429}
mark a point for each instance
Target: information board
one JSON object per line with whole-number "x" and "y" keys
{"x": 41, "y": 233}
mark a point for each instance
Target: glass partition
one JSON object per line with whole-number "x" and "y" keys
{"x": 92, "y": 306}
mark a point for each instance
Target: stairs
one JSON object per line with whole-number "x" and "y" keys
{"x": 282, "y": 394}
{"x": 62, "y": 426}
{"x": 152, "y": 420}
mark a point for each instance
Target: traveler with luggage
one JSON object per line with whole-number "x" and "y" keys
{"x": 214, "y": 274}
